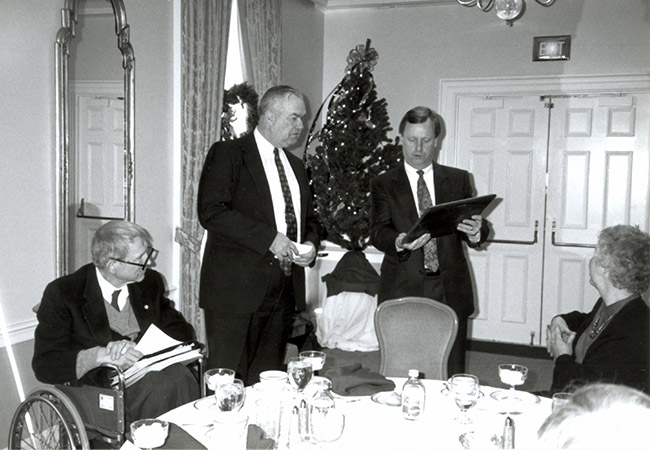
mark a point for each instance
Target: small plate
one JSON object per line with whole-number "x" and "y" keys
{"x": 206, "y": 403}
{"x": 517, "y": 397}
{"x": 391, "y": 398}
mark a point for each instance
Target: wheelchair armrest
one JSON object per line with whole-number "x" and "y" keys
{"x": 120, "y": 375}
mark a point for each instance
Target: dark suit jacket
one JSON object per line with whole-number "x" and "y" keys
{"x": 620, "y": 354}
{"x": 235, "y": 207}
{"x": 394, "y": 211}
{"x": 72, "y": 317}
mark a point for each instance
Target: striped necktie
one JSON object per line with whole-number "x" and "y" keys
{"x": 424, "y": 202}
{"x": 289, "y": 214}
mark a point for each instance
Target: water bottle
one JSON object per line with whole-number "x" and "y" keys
{"x": 413, "y": 395}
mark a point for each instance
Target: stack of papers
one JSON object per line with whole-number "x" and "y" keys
{"x": 159, "y": 351}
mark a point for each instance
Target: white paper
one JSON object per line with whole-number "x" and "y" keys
{"x": 154, "y": 340}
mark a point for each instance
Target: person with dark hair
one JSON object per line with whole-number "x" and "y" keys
{"x": 98, "y": 313}
{"x": 255, "y": 202}
{"x": 610, "y": 343}
{"x": 598, "y": 415}
{"x": 434, "y": 268}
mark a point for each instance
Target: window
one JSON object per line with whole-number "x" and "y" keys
{"x": 234, "y": 60}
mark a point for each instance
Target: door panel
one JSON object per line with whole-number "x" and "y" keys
{"x": 502, "y": 143}
{"x": 599, "y": 146}
{"x": 97, "y": 169}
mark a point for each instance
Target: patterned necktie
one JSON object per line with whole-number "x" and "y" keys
{"x": 114, "y": 303}
{"x": 424, "y": 202}
{"x": 289, "y": 214}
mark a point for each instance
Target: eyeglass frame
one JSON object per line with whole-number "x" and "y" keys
{"x": 142, "y": 266}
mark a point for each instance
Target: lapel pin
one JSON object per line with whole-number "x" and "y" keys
{"x": 146, "y": 306}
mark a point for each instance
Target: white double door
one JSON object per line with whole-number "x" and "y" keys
{"x": 565, "y": 166}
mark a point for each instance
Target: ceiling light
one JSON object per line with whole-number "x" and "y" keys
{"x": 508, "y": 10}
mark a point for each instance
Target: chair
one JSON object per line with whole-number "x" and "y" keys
{"x": 415, "y": 333}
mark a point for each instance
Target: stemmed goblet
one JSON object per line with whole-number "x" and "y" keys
{"x": 316, "y": 358}
{"x": 512, "y": 375}
{"x": 230, "y": 396}
{"x": 465, "y": 389}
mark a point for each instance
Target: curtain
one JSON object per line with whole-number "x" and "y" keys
{"x": 204, "y": 47}
{"x": 261, "y": 30}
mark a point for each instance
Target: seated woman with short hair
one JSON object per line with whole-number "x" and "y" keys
{"x": 611, "y": 343}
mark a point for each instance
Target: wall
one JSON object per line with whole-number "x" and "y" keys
{"x": 28, "y": 30}
{"x": 420, "y": 45}
{"x": 302, "y": 56}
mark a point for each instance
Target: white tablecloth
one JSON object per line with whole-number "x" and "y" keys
{"x": 369, "y": 425}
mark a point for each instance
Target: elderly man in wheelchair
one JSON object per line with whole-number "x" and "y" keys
{"x": 93, "y": 318}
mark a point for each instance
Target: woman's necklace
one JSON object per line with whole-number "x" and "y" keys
{"x": 597, "y": 327}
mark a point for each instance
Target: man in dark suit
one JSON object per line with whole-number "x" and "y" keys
{"x": 434, "y": 268}
{"x": 98, "y": 313}
{"x": 255, "y": 202}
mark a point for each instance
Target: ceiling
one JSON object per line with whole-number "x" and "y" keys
{"x": 327, "y": 5}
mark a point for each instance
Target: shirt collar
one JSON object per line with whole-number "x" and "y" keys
{"x": 106, "y": 287}
{"x": 263, "y": 145}
{"x": 410, "y": 170}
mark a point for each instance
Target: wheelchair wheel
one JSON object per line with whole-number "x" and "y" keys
{"x": 47, "y": 419}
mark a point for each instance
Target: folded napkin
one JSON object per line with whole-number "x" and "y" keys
{"x": 354, "y": 379}
{"x": 256, "y": 440}
{"x": 179, "y": 438}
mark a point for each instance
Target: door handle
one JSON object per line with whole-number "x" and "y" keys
{"x": 82, "y": 215}
{"x": 508, "y": 241}
{"x": 566, "y": 244}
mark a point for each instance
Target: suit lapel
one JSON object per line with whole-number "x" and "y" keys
{"x": 94, "y": 309}
{"x": 303, "y": 184}
{"x": 441, "y": 184}
{"x": 253, "y": 163}
{"x": 404, "y": 194}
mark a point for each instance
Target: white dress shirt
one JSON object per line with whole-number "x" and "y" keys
{"x": 108, "y": 289}
{"x": 268, "y": 161}
{"x": 413, "y": 176}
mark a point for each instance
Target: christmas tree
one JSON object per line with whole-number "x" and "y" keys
{"x": 353, "y": 148}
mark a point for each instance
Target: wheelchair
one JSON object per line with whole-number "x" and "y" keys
{"x": 76, "y": 417}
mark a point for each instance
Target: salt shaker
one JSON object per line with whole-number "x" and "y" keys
{"x": 509, "y": 433}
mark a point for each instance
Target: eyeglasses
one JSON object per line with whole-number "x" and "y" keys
{"x": 150, "y": 256}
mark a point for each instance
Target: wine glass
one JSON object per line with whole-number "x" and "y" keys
{"x": 512, "y": 375}
{"x": 300, "y": 372}
{"x": 465, "y": 389}
{"x": 230, "y": 396}
{"x": 316, "y": 358}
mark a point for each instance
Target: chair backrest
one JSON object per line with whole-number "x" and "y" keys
{"x": 415, "y": 333}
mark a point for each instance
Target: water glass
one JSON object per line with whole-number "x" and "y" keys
{"x": 230, "y": 430}
{"x": 300, "y": 372}
{"x": 268, "y": 416}
{"x": 230, "y": 396}
{"x": 560, "y": 398}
